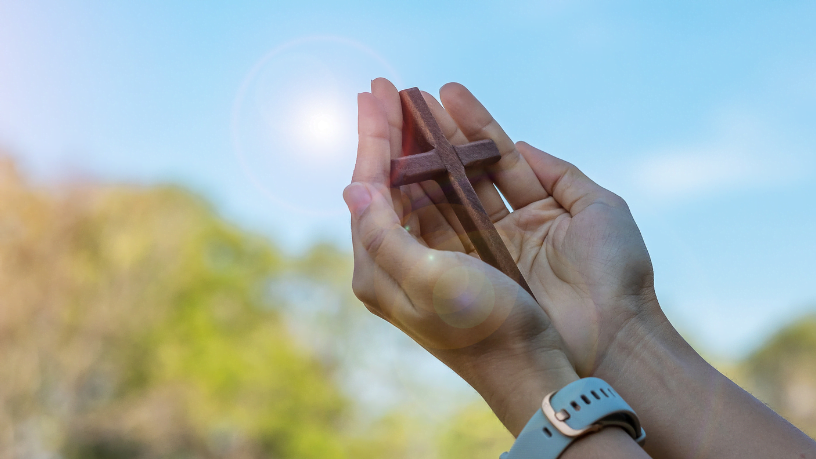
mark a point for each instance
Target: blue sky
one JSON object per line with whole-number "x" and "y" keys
{"x": 700, "y": 114}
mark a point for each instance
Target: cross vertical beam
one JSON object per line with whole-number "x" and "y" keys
{"x": 446, "y": 164}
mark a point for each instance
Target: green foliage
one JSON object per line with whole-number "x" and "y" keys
{"x": 135, "y": 323}
{"x": 138, "y": 324}
{"x": 782, "y": 373}
{"x": 790, "y": 345}
{"x": 475, "y": 433}
{"x": 144, "y": 327}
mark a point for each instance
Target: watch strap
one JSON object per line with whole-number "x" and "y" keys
{"x": 591, "y": 401}
{"x": 581, "y": 407}
{"x": 539, "y": 439}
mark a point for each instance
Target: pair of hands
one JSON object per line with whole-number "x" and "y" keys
{"x": 575, "y": 242}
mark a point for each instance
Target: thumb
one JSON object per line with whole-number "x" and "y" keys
{"x": 357, "y": 198}
{"x": 376, "y": 229}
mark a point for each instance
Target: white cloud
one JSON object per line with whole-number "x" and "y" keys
{"x": 741, "y": 155}
{"x": 692, "y": 172}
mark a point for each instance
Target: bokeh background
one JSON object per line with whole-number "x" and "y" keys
{"x": 175, "y": 254}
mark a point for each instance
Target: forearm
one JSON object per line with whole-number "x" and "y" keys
{"x": 517, "y": 403}
{"x": 687, "y": 407}
{"x": 514, "y": 383}
{"x": 609, "y": 443}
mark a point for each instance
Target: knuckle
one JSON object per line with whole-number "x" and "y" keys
{"x": 364, "y": 290}
{"x": 617, "y": 201}
{"x": 571, "y": 168}
{"x": 509, "y": 159}
{"x": 373, "y": 310}
{"x": 484, "y": 129}
{"x": 565, "y": 176}
{"x": 373, "y": 240}
{"x": 361, "y": 287}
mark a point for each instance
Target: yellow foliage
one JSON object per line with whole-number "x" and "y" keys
{"x": 782, "y": 373}
{"x": 135, "y": 323}
{"x": 475, "y": 433}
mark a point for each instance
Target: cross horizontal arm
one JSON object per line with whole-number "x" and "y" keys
{"x": 416, "y": 168}
{"x": 429, "y": 166}
{"x": 447, "y": 164}
{"x": 478, "y": 154}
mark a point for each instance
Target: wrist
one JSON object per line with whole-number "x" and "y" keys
{"x": 688, "y": 408}
{"x": 571, "y": 414}
{"x": 657, "y": 372}
{"x": 609, "y": 443}
{"x": 513, "y": 383}
{"x": 644, "y": 348}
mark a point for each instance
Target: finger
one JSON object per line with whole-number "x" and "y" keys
{"x": 380, "y": 231}
{"x": 434, "y": 228}
{"x": 436, "y": 219}
{"x": 442, "y": 299}
{"x": 389, "y": 98}
{"x": 380, "y": 294}
{"x": 381, "y": 244}
{"x": 375, "y": 288}
{"x": 434, "y": 193}
{"x": 573, "y": 190}
{"x": 410, "y": 218}
{"x": 512, "y": 175}
{"x": 431, "y": 190}
{"x": 379, "y": 234}
{"x": 374, "y": 144}
{"x": 483, "y": 185}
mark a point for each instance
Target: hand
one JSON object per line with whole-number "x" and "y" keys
{"x": 466, "y": 313}
{"x": 575, "y": 242}
{"x": 584, "y": 258}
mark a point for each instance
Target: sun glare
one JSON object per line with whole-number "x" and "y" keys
{"x": 319, "y": 129}
{"x": 322, "y": 126}
{"x": 294, "y": 120}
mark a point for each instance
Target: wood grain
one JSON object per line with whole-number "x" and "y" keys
{"x": 429, "y": 156}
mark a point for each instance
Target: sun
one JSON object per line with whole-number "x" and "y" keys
{"x": 320, "y": 128}
{"x": 294, "y": 120}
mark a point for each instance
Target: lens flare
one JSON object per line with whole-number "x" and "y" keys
{"x": 319, "y": 128}
{"x": 463, "y": 297}
{"x": 294, "y": 120}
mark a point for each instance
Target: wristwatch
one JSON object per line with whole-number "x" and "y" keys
{"x": 581, "y": 407}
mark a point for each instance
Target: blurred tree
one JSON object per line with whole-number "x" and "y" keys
{"x": 136, "y": 323}
{"x": 782, "y": 373}
{"x": 475, "y": 433}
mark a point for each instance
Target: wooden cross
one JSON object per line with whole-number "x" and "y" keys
{"x": 432, "y": 157}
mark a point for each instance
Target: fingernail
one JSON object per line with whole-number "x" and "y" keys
{"x": 357, "y": 198}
